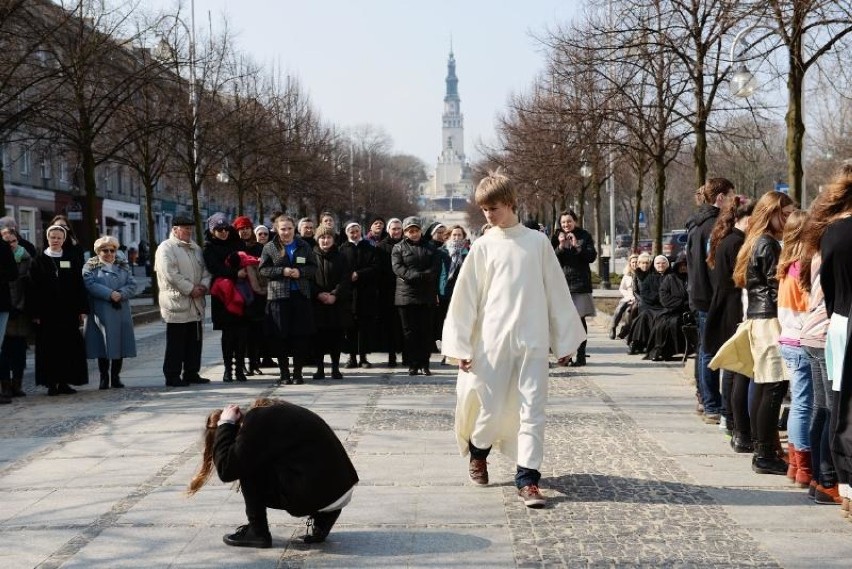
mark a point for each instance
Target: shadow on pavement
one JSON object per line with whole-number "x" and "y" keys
{"x": 608, "y": 488}
{"x": 383, "y": 543}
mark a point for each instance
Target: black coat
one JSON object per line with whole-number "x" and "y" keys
{"x": 363, "y": 260}
{"x": 726, "y": 307}
{"x": 575, "y": 262}
{"x": 57, "y": 297}
{"x": 673, "y": 295}
{"x": 8, "y": 274}
{"x": 417, "y": 268}
{"x": 222, "y": 262}
{"x": 699, "y": 228}
{"x": 649, "y": 292}
{"x": 761, "y": 278}
{"x": 302, "y": 451}
{"x": 332, "y": 275}
{"x": 387, "y": 278}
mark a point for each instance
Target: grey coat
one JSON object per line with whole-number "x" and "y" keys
{"x": 109, "y": 330}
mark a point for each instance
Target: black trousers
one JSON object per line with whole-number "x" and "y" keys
{"x": 234, "y": 340}
{"x": 358, "y": 335}
{"x": 183, "y": 350}
{"x": 738, "y": 405}
{"x": 765, "y": 411}
{"x": 417, "y": 331}
{"x": 260, "y": 491}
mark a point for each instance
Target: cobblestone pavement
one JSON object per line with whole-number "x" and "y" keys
{"x": 633, "y": 479}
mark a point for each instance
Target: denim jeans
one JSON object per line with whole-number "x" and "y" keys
{"x": 708, "y": 380}
{"x": 823, "y": 465}
{"x": 802, "y": 396}
{"x": 526, "y": 477}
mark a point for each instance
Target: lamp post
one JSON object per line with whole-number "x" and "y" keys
{"x": 743, "y": 84}
{"x": 165, "y": 52}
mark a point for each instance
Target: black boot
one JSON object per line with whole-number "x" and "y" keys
{"x": 766, "y": 461}
{"x": 249, "y": 536}
{"x": 17, "y": 384}
{"x": 228, "y": 376}
{"x": 103, "y": 368}
{"x": 320, "y": 373}
{"x": 319, "y": 526}
{"x": 297, "y": 371}
{"x": 392, "y": 360}
{"x": 284, "y": 372}
{"x": 741, "y": 444}
{"x": 115, "y": 374}
{"x": 5, "y": 391}
{"x": 352, "y": 363}
{"x": 335, "y": 366}
{"x": 425, "y": 368}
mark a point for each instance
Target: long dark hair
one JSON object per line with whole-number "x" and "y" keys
{"x": 735, "y": 208}
{"x": 833, "y": 202}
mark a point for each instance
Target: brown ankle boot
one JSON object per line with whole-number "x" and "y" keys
{"x": 803, "y": 468}
{"x": 793, "y": 462}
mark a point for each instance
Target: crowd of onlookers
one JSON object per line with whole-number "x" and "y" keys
{"x": 767, "y": 288}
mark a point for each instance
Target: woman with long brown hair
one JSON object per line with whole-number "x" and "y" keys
{"x": 792, "y": 308}
{"x": 756, "y": 271}
{"x": 726, "y": 313}
{"x": 305, "y": 475}
{"x": 828, "y": 232}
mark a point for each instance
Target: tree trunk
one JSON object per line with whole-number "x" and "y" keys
{"x": 794, "y": 120}
{"x": 152, "y": 237}
{"x": 2, "y": 190}
{"x": 596, "y": 197}
{"x": 195, "y": 189}
{"x": 660, "y": 195}
{"x": 90, "y": 217}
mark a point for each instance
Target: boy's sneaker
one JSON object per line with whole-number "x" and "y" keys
{"x": 478, "y": 471}
{"x": 532, "y": 496}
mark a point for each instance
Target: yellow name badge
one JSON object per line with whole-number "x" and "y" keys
{"x": 300, "y": 260}
{"x": 64, "y": 264}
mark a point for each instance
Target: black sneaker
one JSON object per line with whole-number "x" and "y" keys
{"x": 176, "y": 383}
{"x": 319, "y": 526}
{"x": 65, "y": 389}
{"x": 246, "y": 536}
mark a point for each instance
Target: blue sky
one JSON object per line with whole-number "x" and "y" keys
{"x": 383, "y": 62}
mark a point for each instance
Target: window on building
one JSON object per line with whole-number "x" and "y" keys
{"x": 63, "y": 170}
{"x": 25, "y": 161}
{"x": 45, "y": 166}
{"x": 27, "y": 222}
{"x": 7, "y": 157}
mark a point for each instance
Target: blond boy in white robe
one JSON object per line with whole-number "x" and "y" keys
{"x": 511, "y": 306}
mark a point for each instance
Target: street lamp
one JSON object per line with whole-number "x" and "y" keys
{"x": 743, "y": 84}
{"x": 164, "y": 51}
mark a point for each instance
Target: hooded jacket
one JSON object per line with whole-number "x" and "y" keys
{"x": 698, "y": 229}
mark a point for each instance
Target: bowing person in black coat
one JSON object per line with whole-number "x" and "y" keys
{"x": 286, "y": 458}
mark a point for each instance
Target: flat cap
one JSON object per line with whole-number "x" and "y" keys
{"x": 411, "y": 221}
{"x": 182, "y": 220}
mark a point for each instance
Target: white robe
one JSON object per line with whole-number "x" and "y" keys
{"x": 511, "y": 305}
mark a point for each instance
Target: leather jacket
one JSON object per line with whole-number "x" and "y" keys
{"x": 761, "y": 281}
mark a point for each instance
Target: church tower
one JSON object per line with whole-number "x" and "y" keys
{"x": 452, "y": 178}
{"x": 452, "y": 132}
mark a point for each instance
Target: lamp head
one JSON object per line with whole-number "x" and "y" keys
{"x": 743, "y": 84}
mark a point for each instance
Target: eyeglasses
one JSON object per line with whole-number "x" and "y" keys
{"x": 221, "y": 228}
{"x": 107, "y": 250}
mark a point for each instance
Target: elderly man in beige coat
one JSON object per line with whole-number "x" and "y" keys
{"x": 183, "y": 281}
